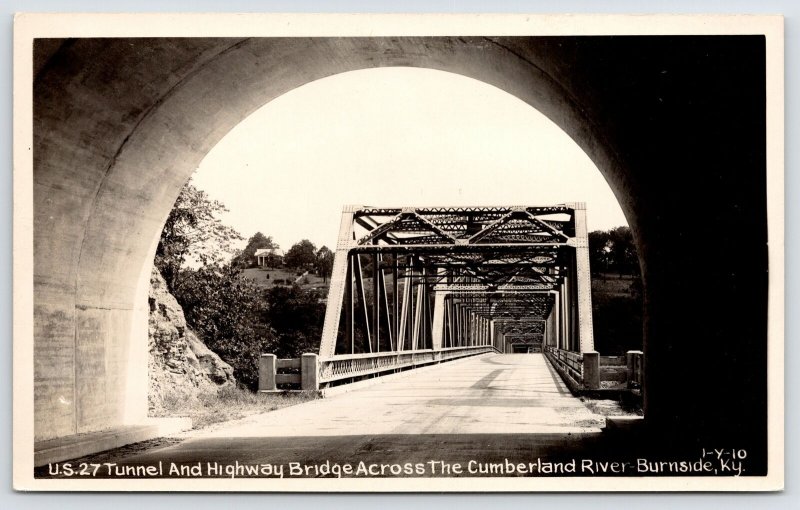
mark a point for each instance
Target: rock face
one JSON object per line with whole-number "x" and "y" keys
{"x": 181, "y": 367}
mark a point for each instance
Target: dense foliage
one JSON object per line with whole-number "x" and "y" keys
{"x": 301, "y": 255}
{"x": 193, "y": 232}
{"x": 227, "y": 313}
{"x": 324, "y": 262}
{"x": 239, "y": 320}
{"x": 613, "y": 251}
{"x": 296, "y": 316}
{"x": 233, "y": 316}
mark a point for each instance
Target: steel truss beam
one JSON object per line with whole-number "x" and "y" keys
{"x": 412, "y": 278}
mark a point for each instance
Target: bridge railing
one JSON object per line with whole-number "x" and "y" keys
{"x": 337, "y": 368}
{"x": 588, "y": 370}
{"x": 613, "y": 371}
{"x": 569, "y": 362}
{"x": 310, "y": 373}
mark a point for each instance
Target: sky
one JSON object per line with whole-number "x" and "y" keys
{"x": 393, "y": 137}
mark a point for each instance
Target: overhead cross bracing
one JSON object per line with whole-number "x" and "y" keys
{"x": 433, "y": 278}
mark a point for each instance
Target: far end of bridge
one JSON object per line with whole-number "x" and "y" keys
{"x": 415, "y": 286}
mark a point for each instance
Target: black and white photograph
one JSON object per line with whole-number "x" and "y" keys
{"x": 398, "y": 253}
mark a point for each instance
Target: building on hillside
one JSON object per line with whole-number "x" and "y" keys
{"x": 269, "y": 257}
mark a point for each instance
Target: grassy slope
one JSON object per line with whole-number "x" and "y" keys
{"x": 230, "y": 404}
{"x": 267, "y": 277}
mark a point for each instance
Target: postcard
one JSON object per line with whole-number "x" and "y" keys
{"x": 398, "y": 253}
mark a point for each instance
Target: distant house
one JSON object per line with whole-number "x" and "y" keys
{"x": 269, "y": 257}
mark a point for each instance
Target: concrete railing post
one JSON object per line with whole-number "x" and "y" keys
{"x": 632, "y": 358}
{"x": 266, "y": 373}
{"x": 591, "y": 370}
{"x": 309, "y": 370}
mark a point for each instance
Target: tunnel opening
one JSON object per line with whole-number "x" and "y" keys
{"x": 395, "y": 302}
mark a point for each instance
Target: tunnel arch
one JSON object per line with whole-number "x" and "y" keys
{"x": 120, "y": 126}
{"x": 180, "y": 136}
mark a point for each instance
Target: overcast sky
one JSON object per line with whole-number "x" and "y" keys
{"x": 394, "y": 137}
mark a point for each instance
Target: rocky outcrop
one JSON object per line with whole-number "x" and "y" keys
{"x": 181, "y": 367}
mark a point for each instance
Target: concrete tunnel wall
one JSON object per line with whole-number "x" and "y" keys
{"x": 676, "y": 125}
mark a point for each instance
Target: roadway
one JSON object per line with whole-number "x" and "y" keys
{"x": 489, "y": 407}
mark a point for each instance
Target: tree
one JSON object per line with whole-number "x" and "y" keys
{"x": 193, "y": 231}
{"x": 301, "y": 255}
{"x": 623, "y": 250}
{"x": 599, "y": 251}
{"x": 613, "y": 249}
{"x": 247, "y": 256}
{"x": 324, "y": 262}
{"x": 227, "y": 312}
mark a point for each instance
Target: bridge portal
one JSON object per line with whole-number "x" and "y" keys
{"x": 415, "y": 285}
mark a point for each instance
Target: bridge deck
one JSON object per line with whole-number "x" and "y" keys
{"x": 492, "y": 406}
{"x": 503, "y": 393}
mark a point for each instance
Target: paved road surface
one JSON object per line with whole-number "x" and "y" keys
{"x": 489, "y": 394}
{"x": 487, "y": 407}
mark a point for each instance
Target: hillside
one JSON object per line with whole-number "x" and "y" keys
{"x": 181, "y": 367}
{"x": 269, "y": 278}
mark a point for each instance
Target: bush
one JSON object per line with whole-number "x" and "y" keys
{"x": 227, "y": 312}
{"x": 239, "y": 320}
{"x": 296, "y": 316}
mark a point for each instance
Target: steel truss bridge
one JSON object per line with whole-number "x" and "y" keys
{"x": 418, "y": 285}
